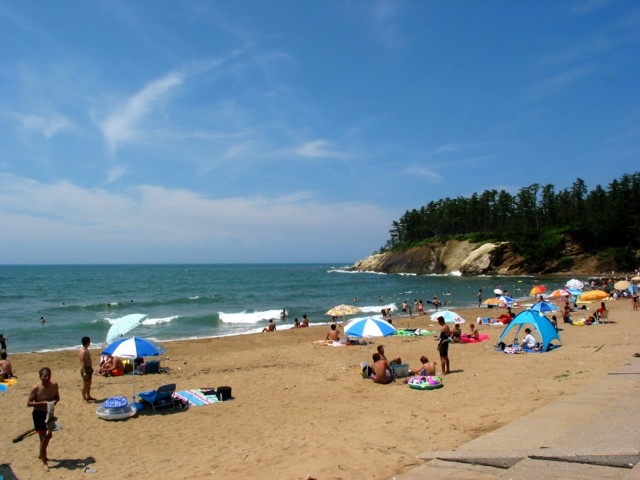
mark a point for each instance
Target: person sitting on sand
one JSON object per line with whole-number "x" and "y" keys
{"x": 566, "y": 313}
{"x": 426, "y": 367}
{"x": 380, "y": 350}
{"x": 602, "y": 311}
{"x": 112, "y": 366}
{"x": 529, "y": 341}
{"x": 456, "y": 335}
{"x": 6, "y": 369}
{"x": 474, "y": 334}
{"x": 381, "y": 371}
{"x": 333, "y": 333}
{"x": 271, "y": 327}
{"x": 296, "y": 323}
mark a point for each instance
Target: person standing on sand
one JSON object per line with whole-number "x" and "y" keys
{"x": 479, "y": 298}
{"x": 86, "y": 369}
{"x": 44, "y": 395}
{"x": 443, "y": 345}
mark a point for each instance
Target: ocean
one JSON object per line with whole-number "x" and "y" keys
{"x": 198, "y": 301}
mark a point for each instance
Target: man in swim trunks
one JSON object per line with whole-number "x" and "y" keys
{"x": 443, "y": 345}
{"x": 41, "y": 395}
{"x": 86, "y": 369}
{"x": 381, "y": 371}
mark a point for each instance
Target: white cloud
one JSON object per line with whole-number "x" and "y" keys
{"x": 425, "y": 172}
{"x": 173, "y": 225}
{"x": 49, "y": 126}
{"x": 122, "y": 124}
{"x": 319, "y": 148}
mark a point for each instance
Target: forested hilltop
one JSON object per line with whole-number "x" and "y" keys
{"x": 538, "y": 230}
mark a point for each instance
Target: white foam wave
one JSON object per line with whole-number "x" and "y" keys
{"x": 249, "y": 317}
{"x": 157, "y": 321}
{"x": 377, "y": 308}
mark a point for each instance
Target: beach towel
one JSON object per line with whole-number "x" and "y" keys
{"x": 468, "y": 339}
{"x": 409, "y": 332}
{"x": 196, "y": 398}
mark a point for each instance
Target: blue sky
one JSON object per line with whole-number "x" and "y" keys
{"x": 295, "y": 131}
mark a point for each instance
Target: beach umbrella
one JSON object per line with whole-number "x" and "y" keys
{"x": 124, "y": 325}
{"x": 621, "y": 285}
{"x": 342, "y": 310}
{"x": 498, "y": 291}
{"x": 635, "y": 279}
{"x": 449, "y": 317}
{"x": 543, "y": 307}
{"x": 134, "y": 347}
{"x": 537, "y": 290}
{"x": 559, "y": 293}
{"x": 575, "y": 283}
{"x": 494, "y": 302}
{"x": 367, "y": 327}
{"x": 593, "y": 296}
{"x": 575, "y": 292}
{"x": 505, "y": 299}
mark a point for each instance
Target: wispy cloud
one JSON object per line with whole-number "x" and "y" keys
{"x": 552, "y": 84}
{"x": 589, "y": 6}
{"x": 424, "y": 172}
{"x": 319, "y": 148}
{"x": 48, "y": 126}
{"x": 123, "y": 123}
{"x": 383, "y": 17}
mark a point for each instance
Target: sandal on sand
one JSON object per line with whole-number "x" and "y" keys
{"x": 89, "y": 470}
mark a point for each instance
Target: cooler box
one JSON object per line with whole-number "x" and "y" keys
{"x": 400, "y": 370}
{"x": 152, "y": 366}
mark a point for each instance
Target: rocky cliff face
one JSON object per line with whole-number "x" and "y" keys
{"x": 469, "y": 259}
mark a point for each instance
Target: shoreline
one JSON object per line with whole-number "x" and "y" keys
{"x": 294, "y": 400}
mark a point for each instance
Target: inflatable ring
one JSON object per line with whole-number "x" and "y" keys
{"x": 425, "y": 382}
{"x": 116, "y": 408}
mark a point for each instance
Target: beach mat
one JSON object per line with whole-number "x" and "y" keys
{"x": 196, "y": 398}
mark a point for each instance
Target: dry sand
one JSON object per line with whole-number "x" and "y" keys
{"x": 300, "y": 409}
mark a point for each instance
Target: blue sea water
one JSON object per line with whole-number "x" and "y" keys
{"x": 197, "y": 301}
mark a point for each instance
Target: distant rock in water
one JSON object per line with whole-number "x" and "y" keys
{"x": 470, "y": 259}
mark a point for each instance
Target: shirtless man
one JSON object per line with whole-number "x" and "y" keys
{"x": 380, "y": 350}
{"x": 86, "y": 369}
{"x": 271, "y": 327}
{"x": 5, "y": 366}
{"x": 426, "y": 367}
{"x": 333, "y": 333}
{"x": 443, "y": 345}
{"x": 41, "y": 394}
{"x": 381, "y": 371}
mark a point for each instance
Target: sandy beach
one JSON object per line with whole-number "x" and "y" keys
{"x": 300, "y": 409}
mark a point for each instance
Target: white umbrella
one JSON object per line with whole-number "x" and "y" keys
{"x": 574, "y": 283}
{"x": 124, "y": 325}
{"x": 449, "y": 317}
{"x": 498, "y": 291}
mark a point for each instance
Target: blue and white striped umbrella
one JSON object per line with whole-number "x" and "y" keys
{"x": 368, "y": 327}
{"x": 134, "y": 347}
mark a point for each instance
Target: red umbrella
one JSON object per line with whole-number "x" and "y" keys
{"x": 537, "y": 290}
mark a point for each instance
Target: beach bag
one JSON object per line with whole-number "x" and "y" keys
{"x": 223, "y": 393}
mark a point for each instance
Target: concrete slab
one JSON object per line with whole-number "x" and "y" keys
{"x": 593, "y": 433}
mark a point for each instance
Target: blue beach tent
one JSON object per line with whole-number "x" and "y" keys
{"x": 541, "y": 323}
